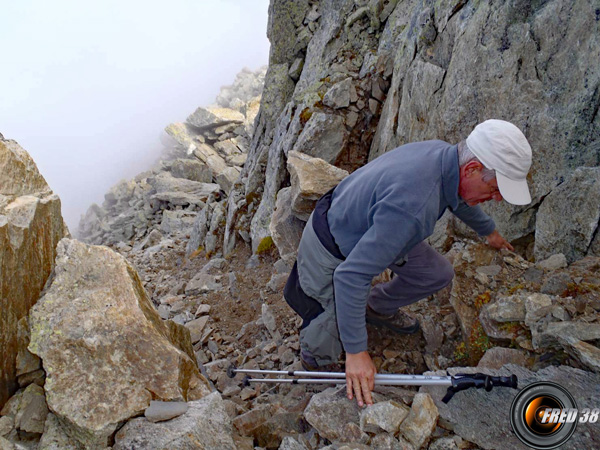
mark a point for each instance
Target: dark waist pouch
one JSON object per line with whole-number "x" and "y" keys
{"x": 321, "y": 225}
{"x": 306, "y": 307}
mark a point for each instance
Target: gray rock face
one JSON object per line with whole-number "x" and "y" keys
{"x": 30, "y": 227}
{"x": 579, "y": 200}
{"x": 386, "y": 441}
{"x": 444, "y": 444}
{"x": 415, "y": 80}
{"x": 481, "y": 417}
{"x": 204, "y": 426}
{"x": 97, "y": 307}
{"x": 176, "y": 222}
{"x": 199, "y": 230}
{"x": 5, "y": 444}
{"x": 7, "y": 424}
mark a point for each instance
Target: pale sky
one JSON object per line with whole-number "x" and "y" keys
{"x": 87, "y": 87}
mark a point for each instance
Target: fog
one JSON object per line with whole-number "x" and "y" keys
{"x": 87, "y": 88}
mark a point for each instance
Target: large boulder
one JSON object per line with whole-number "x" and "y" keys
{"x": 213, "y": 117}
{"x": 30, "y": 227}
{"x": 310, "y": 178}
{"x": 105, "y": 350}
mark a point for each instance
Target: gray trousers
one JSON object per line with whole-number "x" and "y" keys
{"x": 423, "y": 273}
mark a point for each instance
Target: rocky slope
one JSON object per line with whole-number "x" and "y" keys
{"x": 351, "y": 79}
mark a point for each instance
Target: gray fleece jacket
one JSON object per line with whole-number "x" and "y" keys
{"x": 381, "y": 211}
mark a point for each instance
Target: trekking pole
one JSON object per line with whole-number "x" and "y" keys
{"x": 455, "y": 383}
{"x": 232, "y": 371}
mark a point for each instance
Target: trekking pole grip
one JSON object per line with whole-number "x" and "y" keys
{"x": 462, "y": 381}
{"x": 510, "y": 381}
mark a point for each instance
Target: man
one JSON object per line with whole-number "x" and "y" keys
{"x": 378, "y": 218}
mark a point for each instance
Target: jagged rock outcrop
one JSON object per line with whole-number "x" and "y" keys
{"x": 350, "y": 80}
{"x": 30, "y": 227}
{"x": 105, "y": 350}
{"x": 198, "y": 171}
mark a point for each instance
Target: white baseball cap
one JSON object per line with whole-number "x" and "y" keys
{"x": 501, "y": 146}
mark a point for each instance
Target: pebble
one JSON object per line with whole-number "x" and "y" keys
{"x": 161, "y": 411}
{"x": 213, "y": 347}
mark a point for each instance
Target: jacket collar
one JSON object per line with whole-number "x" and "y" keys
{"x": 450, "y": 176}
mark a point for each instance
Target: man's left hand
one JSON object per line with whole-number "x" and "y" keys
{"x": 496, "y": 240}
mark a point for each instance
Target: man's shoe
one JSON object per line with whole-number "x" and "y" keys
{"x": 309, "y": 363}
{"x": 400, "y": 322}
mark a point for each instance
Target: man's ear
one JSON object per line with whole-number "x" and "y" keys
{"x": 472, "y": 167}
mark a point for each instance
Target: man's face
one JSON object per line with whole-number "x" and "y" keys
{"x": 472, "y": 189}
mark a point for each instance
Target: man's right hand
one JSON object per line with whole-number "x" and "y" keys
{"x": 360, "y": 377}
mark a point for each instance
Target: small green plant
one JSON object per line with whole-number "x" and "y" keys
{"x": 479, "y": 343}
{"x": 482, "y": 299}
{"x": 266, "y": 245}
{"x": 197, "y": 252}
{"x": 510, "y": 327}
{"x": 252, "y": 197}
{"x": 305, "y": 115}
{"x": 515, "y": 288}
{"x": 461, "y": 354}
{"x": 574, "y": 289}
